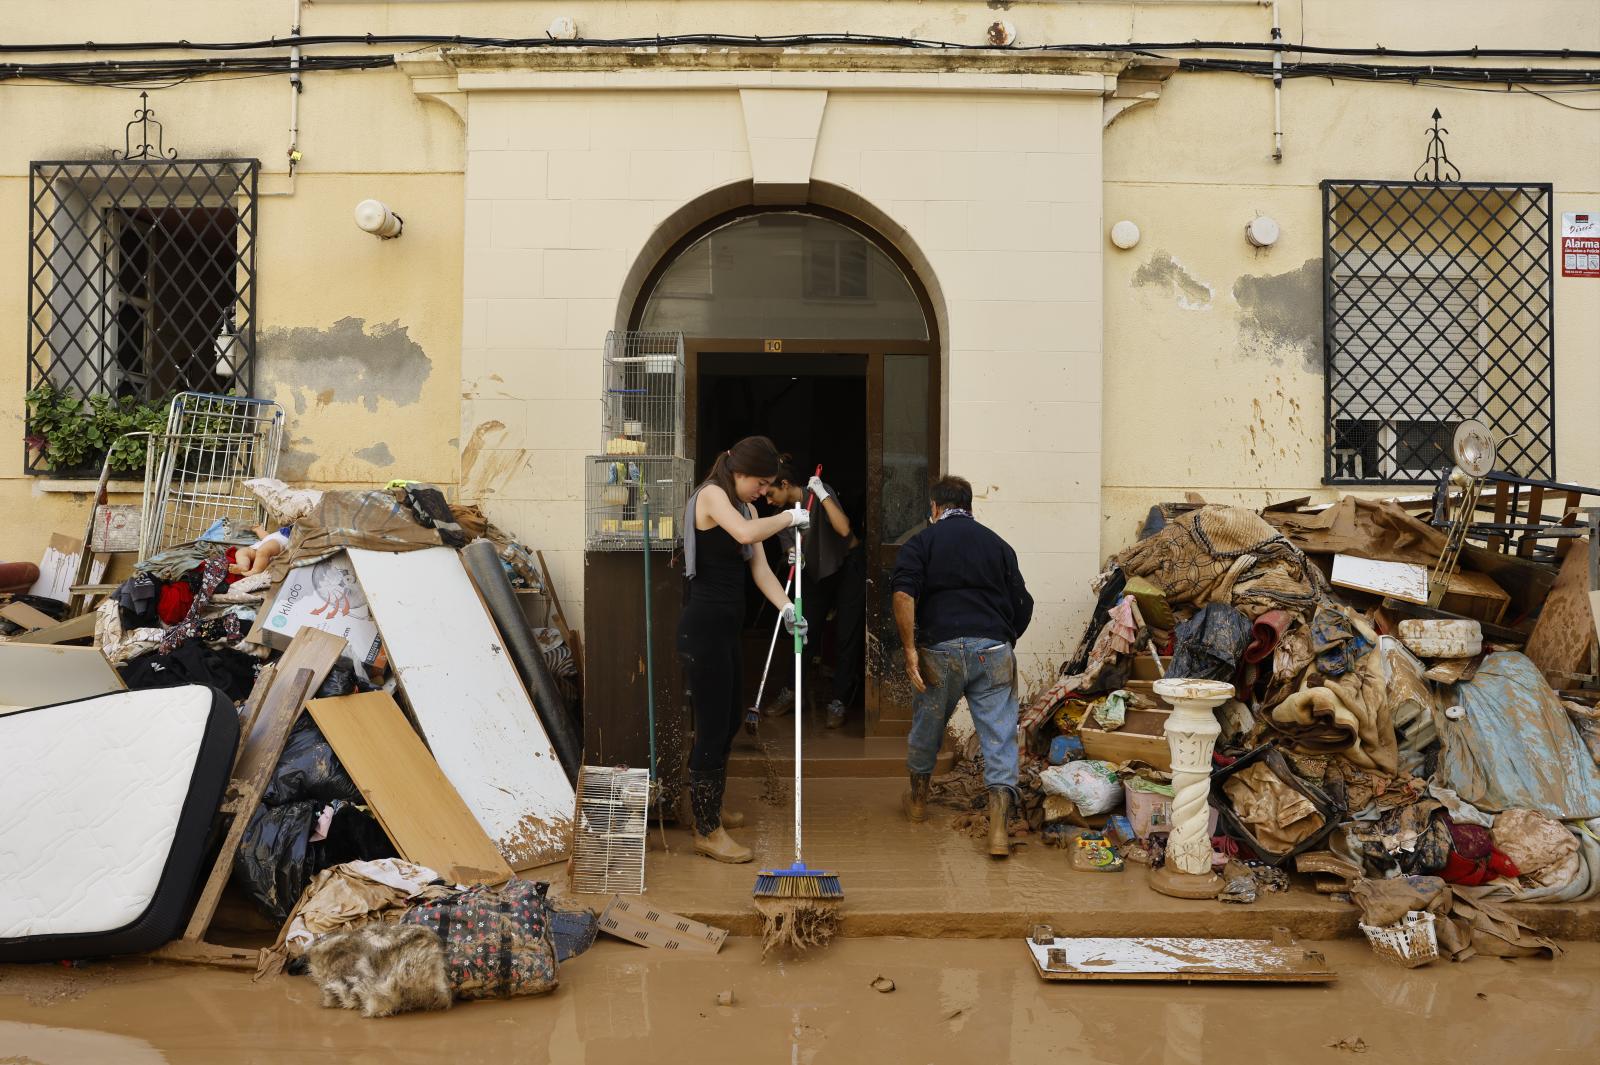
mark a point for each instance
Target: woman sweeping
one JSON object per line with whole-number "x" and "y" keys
{"x": 721, "y": 532}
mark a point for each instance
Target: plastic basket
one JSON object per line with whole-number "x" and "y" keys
{"x": 1409, "y": 943}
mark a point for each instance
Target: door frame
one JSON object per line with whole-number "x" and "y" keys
{"x": 884, "y": 689}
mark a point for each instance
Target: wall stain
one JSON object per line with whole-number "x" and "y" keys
{"x": 484, "y": 469}
{"x": 378, "y": 454}
{"x": 1283, "y": 314}
{"x": 296, "y": 459}
{"x": 347, "y": 363}
{"x": 1163, "y": 271}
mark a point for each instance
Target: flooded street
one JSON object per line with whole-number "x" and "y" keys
{"x": 954, "y": 1001}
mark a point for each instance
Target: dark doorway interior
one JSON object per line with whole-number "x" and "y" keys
{"x": 815, "y": 408}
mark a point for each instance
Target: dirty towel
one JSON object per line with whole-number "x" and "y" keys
{"x": 1210, "y": 643}
{"x": 1111, "y": 711}
{"x": 1587, "y": 721}
{"x": 432, "y": 511}
{"x": 1347, "y": 715}
{"x": 1515, "y": 746}
{"x": 1410, "y": 839}
{"x": 1467, "y": 923}
{"x": 1410, "y": 703}
{"x": 1278, "y": 816}
{"x": 1265, "y": 634}
{"x": 1545, "y": 850}
{"x": 1226, "y": 554}
{"x": 1334, "y": 640}
{"x": 117, "y": 643}
{"x": 1461, "y": 811}
{"x": 176, "y": 562}
{"x": 286, "y": 505}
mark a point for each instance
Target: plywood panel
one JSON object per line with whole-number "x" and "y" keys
{"x": 418, "y": 808}
{"x": 1178, "y": 959}
{"x": 468, "y": 700}
{"x": 1565, "y": 629}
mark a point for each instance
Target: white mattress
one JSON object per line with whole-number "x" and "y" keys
{"x": 90, "y": 797}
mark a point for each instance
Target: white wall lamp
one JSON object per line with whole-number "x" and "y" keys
{"x": 375, "y": 217}
{"x": 1262, "y": 232}
{"x": 1125, "y": 234}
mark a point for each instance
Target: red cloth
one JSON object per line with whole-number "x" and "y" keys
{"x": 1472, "y": 872}
{"x": 174, "y": 602}
{"x": 1265, "y": 634}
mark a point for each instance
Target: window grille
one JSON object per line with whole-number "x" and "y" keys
{"x": 1438, "y": 308}
{"x": 142, "y": 276}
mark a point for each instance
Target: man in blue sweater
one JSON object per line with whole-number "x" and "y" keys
{"x": 961, "y": 606}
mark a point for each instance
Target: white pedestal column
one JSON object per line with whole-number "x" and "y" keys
{"x": 1192, "y": 732}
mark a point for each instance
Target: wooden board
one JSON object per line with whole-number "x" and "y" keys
{"x": 78, "y": 628}
{"x": 422, "y": 814}
{"x": 469, "y": 701}
{"x": 1399, "y": 580}
{"x": 1476, "y": 595}
{"x": 29, "y": 618}
{"x": 1565, "y": 629}
{"x": 40, "y": 675}
{"x": 1207, "y": 960}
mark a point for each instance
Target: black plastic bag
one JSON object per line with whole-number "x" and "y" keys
{"x": 277, "y": 858}
{"x": 309, "y": 769}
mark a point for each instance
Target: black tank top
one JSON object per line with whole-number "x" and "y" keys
{"x": 720, "y": 568}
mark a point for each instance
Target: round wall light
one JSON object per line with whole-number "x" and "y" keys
{"x": 1262, "y": 231}
{"x": 375, "y": 217}
{"x": 1125, "y": 234}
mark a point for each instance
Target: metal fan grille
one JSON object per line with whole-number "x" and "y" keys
{"x": 608, "y": 842}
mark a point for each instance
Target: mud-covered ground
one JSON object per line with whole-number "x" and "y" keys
{"x": 968, "y": 1001}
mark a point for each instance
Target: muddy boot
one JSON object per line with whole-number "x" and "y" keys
{"x": 915, "y": 802}
{"x": 999, "y": 814}
{"x": 721, "y": 847}
{"x": 710, "y": 838}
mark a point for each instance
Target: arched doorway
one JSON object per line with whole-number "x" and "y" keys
{"x": 804, "y": 324}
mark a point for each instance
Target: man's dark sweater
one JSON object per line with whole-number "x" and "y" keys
{"x": 966, "y": 583}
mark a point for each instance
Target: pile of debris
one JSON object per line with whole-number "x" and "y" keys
{"x": 272, "y": 711}
{"x": 1371, "y": 737}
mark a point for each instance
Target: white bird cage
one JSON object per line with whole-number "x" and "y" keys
{"x": 614, "y": 496}
{"x": 609, "y": 839}
{"x": 644, "y": 394}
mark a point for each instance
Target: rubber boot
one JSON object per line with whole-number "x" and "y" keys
{"x": 915, "y": 802}
{"x": 710, "y": 838}
{"x": 999, "y": 814}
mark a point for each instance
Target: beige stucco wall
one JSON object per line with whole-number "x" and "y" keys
{"x": 565, "y": 189}
{"x": 390, "y": 357}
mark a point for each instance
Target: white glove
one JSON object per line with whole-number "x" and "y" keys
{"x": 800, "y": 518}
{"x": 818, "y": 489}
{"x": 796, "y": 626}
{"x": 791, "y": 556}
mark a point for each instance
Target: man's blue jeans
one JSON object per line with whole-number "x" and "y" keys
{"x": 985, "y": 671}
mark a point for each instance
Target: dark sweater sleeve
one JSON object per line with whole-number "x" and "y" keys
{"x": 1021, "y": 601}
{"x": 910, "y": 567}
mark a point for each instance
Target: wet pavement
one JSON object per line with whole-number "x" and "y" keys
{"x": 928, "y": 880}
{"x": 955, "y": 1001}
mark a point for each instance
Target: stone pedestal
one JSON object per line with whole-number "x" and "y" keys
{"x": 1192, "y": 731}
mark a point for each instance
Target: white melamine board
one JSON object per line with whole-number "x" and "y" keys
{"x": 34, "y": 674}
{"x": 1179, "y": 959}
{"x": 1398, "y": 580}
{"x": 467, "y": 698}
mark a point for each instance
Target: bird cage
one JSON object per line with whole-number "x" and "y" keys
{"x": 644, "y": 394}
{"x": 616, "y": 490}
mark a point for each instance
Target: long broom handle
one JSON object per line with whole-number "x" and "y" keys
{"x": 788, "y": 582}
{"x": 799, "y": 658}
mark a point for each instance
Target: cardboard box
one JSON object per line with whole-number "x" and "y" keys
{"x": 324, "y": 595}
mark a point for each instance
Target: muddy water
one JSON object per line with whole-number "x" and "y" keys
{"x": 954, "y": 1001}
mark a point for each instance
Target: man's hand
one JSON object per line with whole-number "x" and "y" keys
{"x": 914, "y": 670}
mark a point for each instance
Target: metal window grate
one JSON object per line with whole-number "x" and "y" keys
{"x": 1437, "y": 308}
{"x": 142, "y": 276}
{"x": 608, "y": 841}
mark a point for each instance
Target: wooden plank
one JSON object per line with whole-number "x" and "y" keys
{"x": 40, "y": 675}
{"x": 1561, "y": 637}
{"x": 1528, "y": 541}
{"x": 567, "y": 635}
{"x": 78, "y": 628}
{"x": 26, "y": 616}
{"x": 469, "y": 701}
{"x": 1200, "y": 960}
{"x": 422, "y": 814}
{"x": 1400, "y": 580}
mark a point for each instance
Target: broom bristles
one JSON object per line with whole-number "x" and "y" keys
{"x": 797, "y": 924}
{"x": 798, "y": 882}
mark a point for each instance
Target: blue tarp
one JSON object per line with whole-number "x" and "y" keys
{"x": 1515, "y": 746}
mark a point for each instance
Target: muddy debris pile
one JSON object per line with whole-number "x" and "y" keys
{"x": 1369, "y": 737}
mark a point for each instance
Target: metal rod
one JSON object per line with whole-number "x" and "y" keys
{"x": 1277, "y": 84}
{"x": 649, "y": 651}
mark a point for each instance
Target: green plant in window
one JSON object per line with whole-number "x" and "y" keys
{"x": 66, "y": 430}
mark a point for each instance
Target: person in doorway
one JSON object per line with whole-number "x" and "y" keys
{"x": 835, "y": 578}
{"x": 720, "y": 538}
{"x": 961, "y": 606}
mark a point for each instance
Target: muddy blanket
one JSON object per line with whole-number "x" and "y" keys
{"x": 1348, "y": 715}
{"x": 1466, "y": 923}
{"x": 1514, "y": 745}
{"x": 1226, "y": 555}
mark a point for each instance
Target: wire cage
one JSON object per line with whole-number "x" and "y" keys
{"x": 614, "y": 496}
{"x": 644, "y": 394}
{"x": 195, "y": 471}
{"x": 608, "y": 842}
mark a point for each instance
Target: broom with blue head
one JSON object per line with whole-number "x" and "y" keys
{"x": 800, "y": 904}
